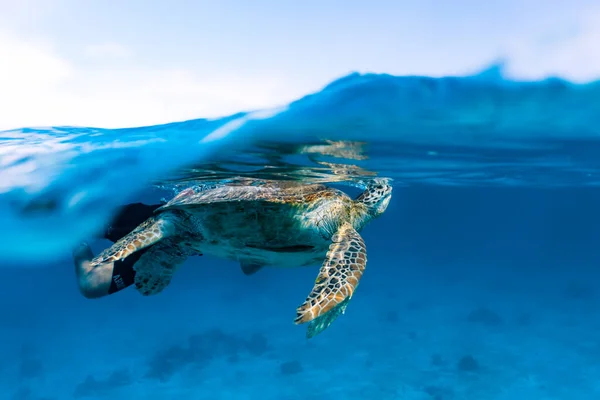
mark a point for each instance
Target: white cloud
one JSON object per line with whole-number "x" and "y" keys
{"x": 112, "y": 50}
{"x": 38, "y": 87}
{"x": 573, "y": 56}
{"x": 29, "y": 65}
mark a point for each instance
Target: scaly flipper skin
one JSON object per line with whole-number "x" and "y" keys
{"x": 155, "y": 269}
{"x": 337, "y": 280}
{"x": 321, "y": 323}
{"x": 146, "y": 234}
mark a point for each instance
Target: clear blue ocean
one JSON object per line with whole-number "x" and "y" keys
{"x": 482, "y": 275}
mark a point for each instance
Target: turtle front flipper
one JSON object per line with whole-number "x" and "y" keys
{"x": 146, "y": 234}
{"x": 337, "y": 280}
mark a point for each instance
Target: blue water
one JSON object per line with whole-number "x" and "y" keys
{"x": 482, "y": 280}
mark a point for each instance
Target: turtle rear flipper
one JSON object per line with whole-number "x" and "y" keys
{"x": 146, "y": 234}
{"x": 249, "y": 268}
{"x": 337, "y": 280}
{"x": 154, "y": 270}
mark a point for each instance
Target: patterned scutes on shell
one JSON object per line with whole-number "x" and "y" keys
{"x": 283, "y": 192}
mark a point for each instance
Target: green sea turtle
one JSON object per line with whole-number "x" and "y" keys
{"x": 261, "y": 223}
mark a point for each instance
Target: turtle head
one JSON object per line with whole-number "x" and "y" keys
{"x": 376, "y": 196}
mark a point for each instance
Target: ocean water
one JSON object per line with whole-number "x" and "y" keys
{"x": 482, "y": 279}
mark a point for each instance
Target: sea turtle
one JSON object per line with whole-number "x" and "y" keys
{"x": 261, "y": 223}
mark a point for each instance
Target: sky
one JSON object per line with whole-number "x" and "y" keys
{"x": 124, "y": 63}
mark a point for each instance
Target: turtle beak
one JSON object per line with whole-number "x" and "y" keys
{"x": 384, "y": 204}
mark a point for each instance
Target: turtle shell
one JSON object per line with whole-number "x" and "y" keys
{"x": 251, "y": 190}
